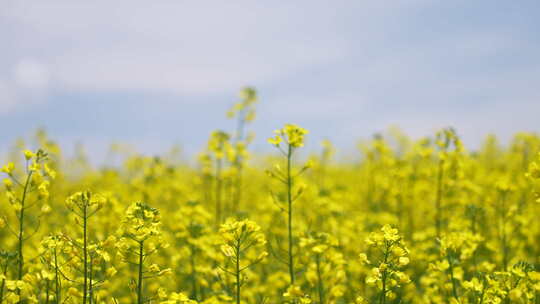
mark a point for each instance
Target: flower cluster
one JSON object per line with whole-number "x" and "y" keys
{"x": 141, "y": 238}
{"x": 141, "y": 222}
{"x": 388, "y": 262}
{"x": 291, "y": 134}
{"x": 238, "y": 237}
{"x": 325, "y": 271}
{"x": 534, "y": 175}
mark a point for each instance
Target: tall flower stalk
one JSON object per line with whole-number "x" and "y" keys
{"x": 84, "y": 205}
{"x": 141, "y": 239}
{"x": 287, "y": 140}
{"x": 391, "y": 256}
{"x": 218, "y": 146}
{"x": 238, "y": 239}
{"x": 244, "y": 112}
{"x": 25, "y": 193}
{"x": 446, "y": 138}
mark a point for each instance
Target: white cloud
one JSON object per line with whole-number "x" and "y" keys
{"x": 29, "y": 74}
{"x": 122, "y": 68}
{"x": 26, "y": 84}
{"x": 8, "y": 98}
{"x": 186, "y": 48}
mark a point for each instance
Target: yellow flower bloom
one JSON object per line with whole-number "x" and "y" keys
{"x": 276, "y": 140}
{"x": 403, "y": 261}
{"x": 8, "y": 169}
{"x": 28, "y": 154}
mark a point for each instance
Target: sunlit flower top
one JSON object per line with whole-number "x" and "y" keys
{"x": 291, "y": 134}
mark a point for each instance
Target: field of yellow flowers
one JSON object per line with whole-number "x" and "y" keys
{"x": 410, "y": 221}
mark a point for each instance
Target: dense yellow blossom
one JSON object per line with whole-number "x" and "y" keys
{"x": 401, "y": 221}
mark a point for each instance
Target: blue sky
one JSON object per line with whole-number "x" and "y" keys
{"x": 158, "y": 73}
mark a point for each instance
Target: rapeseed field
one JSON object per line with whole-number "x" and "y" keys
{"x": 408, "y": 221}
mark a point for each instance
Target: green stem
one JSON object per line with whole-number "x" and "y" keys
{"x": 90, "y": 283}
{"x": 483, "y": 293}
{"x": 320, "y": 286}
{"x": 219, "y": 186}
{"x": 193, "y": 272}
{"x": 438, "y": 198}
{"x": 21, "y": 227}
{"x": 56, "y": 278}
{"x": 290, "y": 214}
{"x": 237, "y": 273}
{"x": 85, "y": 252}
{"x": 3, "y": 282}
{"x": 238, "y": 162}
{"x": 140, "y": 279}
{"x": 47, "y": 285}
{"x": 384, "y": 275}
{"x": 239, "y": 182}
{"x": 473, "y": 230}
{"x": 504, "y": 243}
{"x": 451, "y": 268}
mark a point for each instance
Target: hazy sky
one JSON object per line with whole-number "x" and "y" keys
{"x": 155, "y": 73}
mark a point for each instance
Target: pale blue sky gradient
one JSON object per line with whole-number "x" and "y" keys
{"x": 156, "y": 73}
